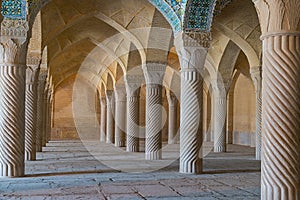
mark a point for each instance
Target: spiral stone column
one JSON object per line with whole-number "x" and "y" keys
{"x": 49, "y": 113}
{"x": 133, "y": 83}
{"x": 45, "y": 113}
{"x": 280, "y": 99}
{"x": 154, "y": 74}
{"x": 172, "y": 100}
{"x": 110, "y": 128}
{"x": 192, "y": 51}
{"x": 120, "y": 116}
{"x": 103, "y": 119}
{"x": 220, "y": 115}
{"x": 256, "y": 76}
{"x": 31, "y": 109}
{"x": 40, "y": 102}
{"x": 13, "y": 50}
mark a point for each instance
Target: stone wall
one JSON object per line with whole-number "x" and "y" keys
{"x": 244, "y": 112}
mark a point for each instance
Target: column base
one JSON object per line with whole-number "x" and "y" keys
{"x": 132, "y": 149}
{"x": 219, "y": 149}
{"x": 120, "y": 143}
{"x": 191, "y": 168}
{"x": 7, "y": 171}
{"x": 39, "y": 149}
{"x": 29, "y": 156}
{"x": 157, "y": 155}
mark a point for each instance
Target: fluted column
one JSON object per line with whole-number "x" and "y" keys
{"x": 120, "y": 116}
{"x": 280, "y": 99}
{"x": 110, "y": 125}
{"x": 154, "y": 74}
{"x": 257, "y": 79}
{"x": 103, "y": 119}
{"x": 220, "y": 115}
{"x": 133, "y": 84}
{"x": 49, "y": 113}
{"x": 31, "y": 109}
{"x": 40, "y": 102}
{"x": 172, "y": 127}
{"x": 45, "y": 113}
{"x": 192, "y": 51}
{"x": 13, "y": 52}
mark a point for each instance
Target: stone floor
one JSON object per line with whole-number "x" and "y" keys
{"x": 74, "y": 170}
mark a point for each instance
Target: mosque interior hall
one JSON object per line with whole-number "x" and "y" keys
{"x": 150, "y": 99}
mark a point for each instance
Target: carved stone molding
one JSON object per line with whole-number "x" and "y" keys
{"x": 133, "y": 83}
{"x": 192, "y": 55}
{"x": 33, "y": 61}
{"x": 14, "y": 29}
{"x": 11, "y": 52}
{"x": 196, "y": 39}
{"x": 256, "y": 75}
{"x": 120, "y": 92}
{"x": 154, "y": 73}
{"x": 277, "y": 16}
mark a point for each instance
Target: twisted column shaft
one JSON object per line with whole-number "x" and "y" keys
{"x": 12, "y": 108}
{"x": 281, "y": 117}
{"x": 172, "y": 118}
{"x": 220, "y": 114}
{"x": 133, "y": 121}
{"x": 30, "y": 121}
{"x": 120, "y": 117}
{"x": 191, "y": 121}
{"x": 153, "y": 122}
{"x": 12, "y": 87}
{"x": 103, "y": 119}
{"x": 110, "y": 117}
{"x": 39, "y": 122}
{"x": 257, "y": 79}
{"x": 44, "y": 125}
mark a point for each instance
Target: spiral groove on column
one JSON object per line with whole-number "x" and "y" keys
{"x": 132, "y": 123}
{"x": 281, "y": 117}
{"x": 39, "y": 118}
{"x": 154, "y": 122}
{"x": 103, "y": 120}
{"x": 120, "y": 123}
{"x": 220, "y": 113}
{"x": 30, "y": 122}
{"x": 12, "y": 87}
{"x": 44, "y": 125}
{"x": 110, "y": 121}
{"x": 172, "y": 101}
{"x": 258, "y": 126}
{"x": 191, "y": 122}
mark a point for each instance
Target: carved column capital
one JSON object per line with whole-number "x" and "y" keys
{"x": 192, "y": 49}
{"x": 172, "y": 99}
{"x": 109, "y": 96}
{"x": 11, "y": 28}
{"x": 32, "y": 75}
{"x": 120, "y": 92}
{"x": 278, "y": 16}
{"x": 154, "y": 73}
{"x": 256, "y": 75}
{"x": 133, "y": 84}
{"x": 219, "y": 88}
